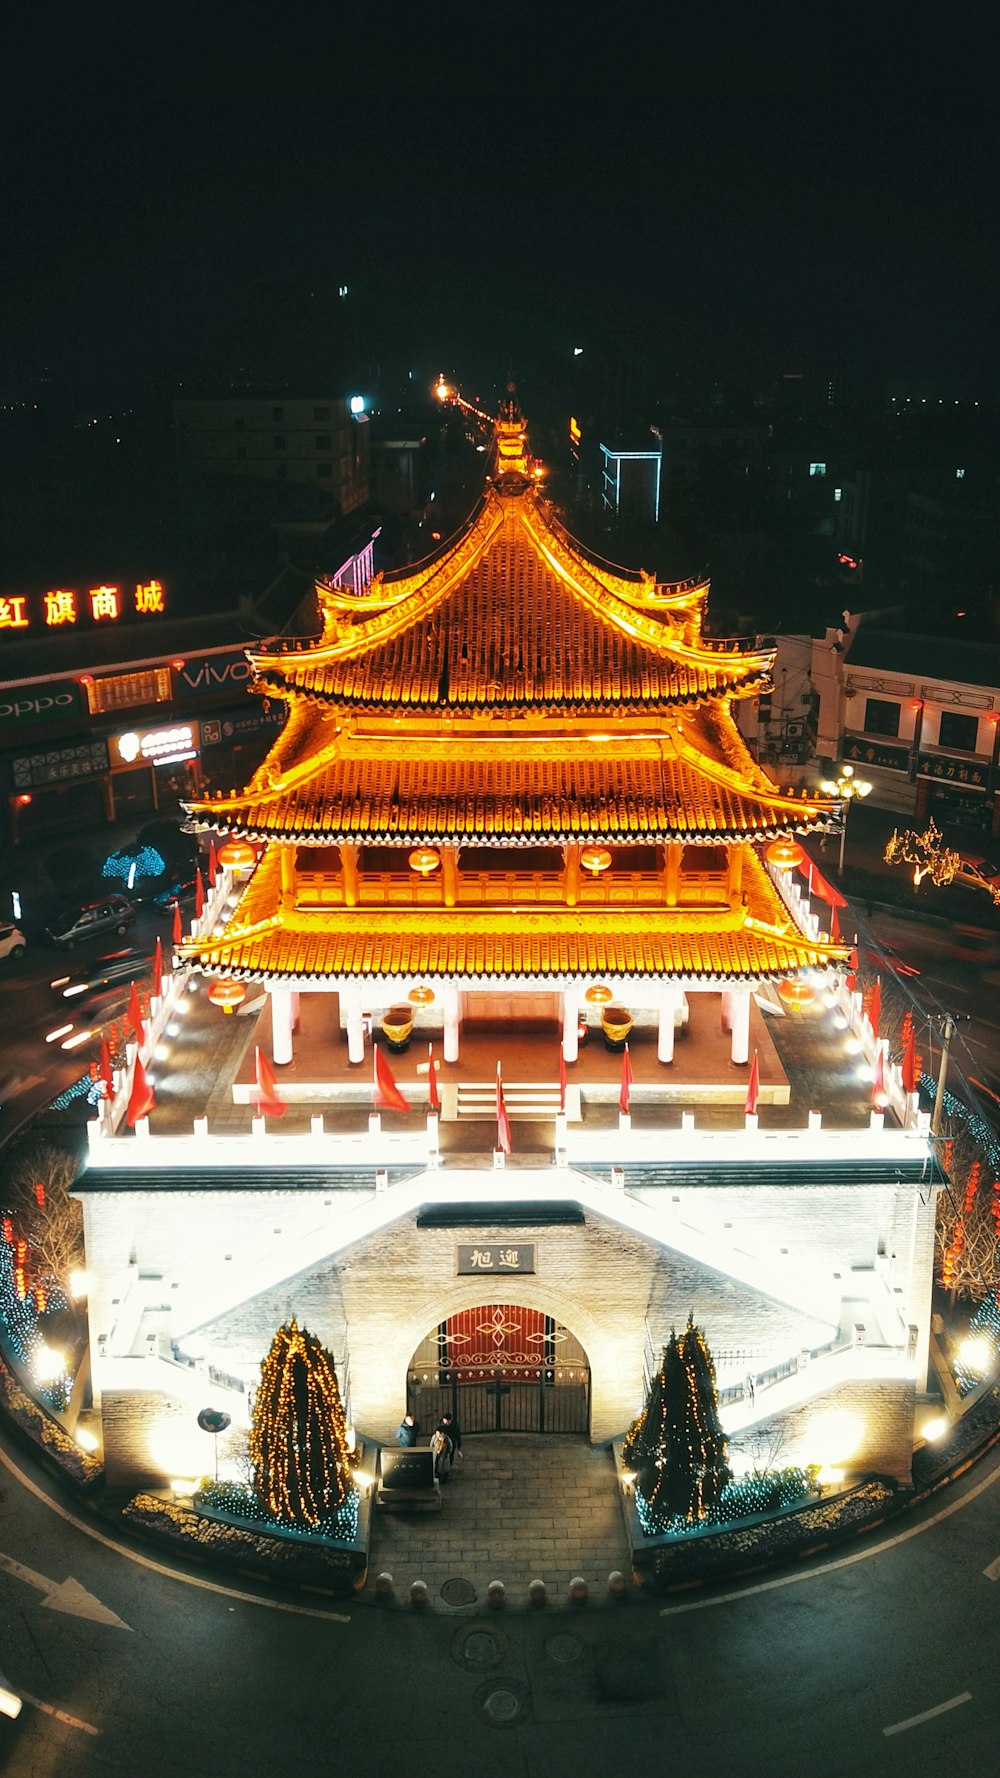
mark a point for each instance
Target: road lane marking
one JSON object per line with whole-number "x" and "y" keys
{"x": 73, "y": 1722}
{"x": 64, "y": 1595}
{"x": 993, "y": 1571}
{"x": 186, "y": 1580}
{"x": 824, "y": 1568}
{"x": 912, "y": 1722}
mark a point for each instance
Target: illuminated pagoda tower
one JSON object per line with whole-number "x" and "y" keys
{"x": 511, "y": 776}
{"x": 510, "y": 797}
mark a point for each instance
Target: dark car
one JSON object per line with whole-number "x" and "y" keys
{"x": 108, "y": 973}
{"x": 182, "y": 890}
{"x": 111, "y": 913}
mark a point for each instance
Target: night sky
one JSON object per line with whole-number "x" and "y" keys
{"x": 178, "y": 194}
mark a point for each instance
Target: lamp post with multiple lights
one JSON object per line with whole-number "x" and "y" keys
{"x": 846, "y": 785}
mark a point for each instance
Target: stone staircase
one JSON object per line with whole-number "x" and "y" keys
{"x": 534, "y": 1100}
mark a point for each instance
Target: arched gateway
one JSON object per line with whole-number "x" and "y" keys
{"x": 501, "y": 1367}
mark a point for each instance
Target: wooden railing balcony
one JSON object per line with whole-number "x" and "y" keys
{"x": 316, "y": 889}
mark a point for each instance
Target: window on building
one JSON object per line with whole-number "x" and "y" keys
{"x": 278, "y": 413}
{"x": 127, "y": 691}
{"x": 881, "y": 717}
{"x": 279, "y": 441}
{"x": 958, "y": 731}
{"x": 817, "y": 469}
{"x": 321, "y": 413}
{"x": 322, "y": 441}
{"x": 324, "y": 469}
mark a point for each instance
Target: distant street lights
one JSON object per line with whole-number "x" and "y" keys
{"x": 847, "y": 786}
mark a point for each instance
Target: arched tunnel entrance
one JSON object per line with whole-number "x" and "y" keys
{"x": 501, "y": 1367}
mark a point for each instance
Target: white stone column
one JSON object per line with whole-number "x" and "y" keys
{"x": 739, "y": 1017}
{"x": 281, "y": 1024}
{"x": 449, "y": 1010}
{"x": 571, "y": 1024}
{"x": 353, "y": 1025}
{"x": 665, "y": 1036}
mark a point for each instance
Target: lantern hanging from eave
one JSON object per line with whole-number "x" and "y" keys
{"x": 237, "y": 855}
{"x": 596, "y": 859}
{"x": 796, "y": 994}
{"x": 599, "y": 995}
{"x": 424, "y": 860}
{"x": 784, "y": 854}
{"x": 420, "y": 996}
{"x": 227, "y": 994}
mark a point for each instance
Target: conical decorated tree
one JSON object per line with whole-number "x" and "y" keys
{"x": 677, "y": 1446}
{"x": 298, "y": 1434}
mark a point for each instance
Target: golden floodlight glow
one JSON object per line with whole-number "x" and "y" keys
{"x": 975, "y": 1355}
{"x": 934, "y": 1429}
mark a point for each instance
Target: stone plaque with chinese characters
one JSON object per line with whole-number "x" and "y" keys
{"x": 498, "y": 1256}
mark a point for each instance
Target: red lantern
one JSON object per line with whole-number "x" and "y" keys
{"x": 599, "y": 995}
{"x": 596, "y": 859}
{"x": 796, "y": 994}
{"x": 784, "y": 854}
{"x": 227, "y": 994}
{"x": 420, "y": 996}
{"x": 424, "y": 860}
{"x": 237, "y": 855}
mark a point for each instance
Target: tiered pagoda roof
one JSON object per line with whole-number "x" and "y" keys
{"x": 511, "y": 692}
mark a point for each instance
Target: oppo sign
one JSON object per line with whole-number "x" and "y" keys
{"x": 27, "y": 706}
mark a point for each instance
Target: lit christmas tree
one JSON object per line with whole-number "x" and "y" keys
{"x": 677, "y": 1446}
{"x": 298, "y": 1435}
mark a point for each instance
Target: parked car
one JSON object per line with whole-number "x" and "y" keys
{"x": 11, "y": 942}
{"x": 112, "y": 913}
{"x": 108, "y": 973}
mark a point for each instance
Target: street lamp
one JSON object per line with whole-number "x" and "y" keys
{"x": 846, "y": 786}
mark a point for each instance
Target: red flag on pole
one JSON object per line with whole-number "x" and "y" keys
{"x": 626, "y": 1086}
{"x": 266, "y": 1096}
{"x": 433, "y": 1096}
{"x": 878, "y": 1084}
{"x": 157, "y": 987}
{"x": 910, "y": 1063}
{"x": 875, "y": 1009}
{"x": 387, "y": 1092}
{"x": 753, "y": 1087}
{"x": 199, "y": 895}
{"x": 178, "y": 931}
{"x": 134, "y": 1014}
{"x": 834, "y": 925}
{"x": 562, "y": 1080}
{"x": 213, "y": 862}
{"x": 503, "y": 1121}
{"x": 104, "y": 1073}
{"x": 141, "y": 1100}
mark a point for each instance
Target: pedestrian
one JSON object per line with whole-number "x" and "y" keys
{"x": 749, "y": 1388}
{"x": 453, "y": 1433}
{"x": 441, "y": 1448}
{"x": 408, "y": 1431}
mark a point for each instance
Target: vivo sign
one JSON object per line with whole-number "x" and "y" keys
{"x": 24, "y": 706}
{"x": 213, "y": 673}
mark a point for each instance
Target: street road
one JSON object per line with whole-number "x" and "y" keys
{"x": 879, "y": 1660}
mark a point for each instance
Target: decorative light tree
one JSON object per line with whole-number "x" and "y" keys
{"x": 298, "y": 1434}
{"x": 677, "y": 1446}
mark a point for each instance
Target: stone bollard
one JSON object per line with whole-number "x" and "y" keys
{"x": 383, "y": 1586}
{"x": 616, "y": 1584}
{"x": 578, "y": 1590}
{"x": 419, "y": 1594}
{"x": 536, "y": 1592}
{"x": 496, "y": 1592}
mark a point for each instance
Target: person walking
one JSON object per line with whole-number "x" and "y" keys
{"x": 408, "y": 1431}
{"x": 441, "y": 1450}
{"x": 453, "y": 1433}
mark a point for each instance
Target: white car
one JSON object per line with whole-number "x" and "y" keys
{"x": 11, "y": 942}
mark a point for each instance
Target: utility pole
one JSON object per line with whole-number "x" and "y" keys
{"x": 948, "y": 1029}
